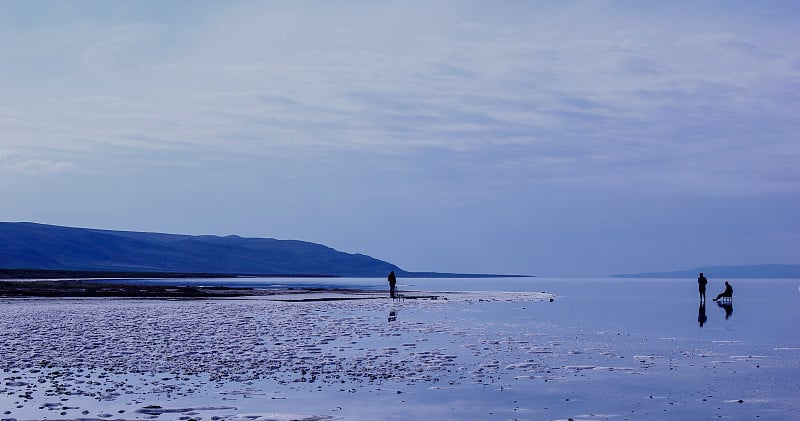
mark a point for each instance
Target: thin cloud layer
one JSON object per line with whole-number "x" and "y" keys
{"x": 439, "y": 104}
{"x": 15, "y": 165}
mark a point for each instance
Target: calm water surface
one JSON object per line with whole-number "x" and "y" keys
{"x": 604, "y": 348}
{"x": 762, "y": 309}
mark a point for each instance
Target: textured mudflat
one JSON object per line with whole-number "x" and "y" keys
{"x": 80, "y": 358}
{"x": 319, "y": 355}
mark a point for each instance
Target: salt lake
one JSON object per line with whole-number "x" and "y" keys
{"x": 495, "y": 348}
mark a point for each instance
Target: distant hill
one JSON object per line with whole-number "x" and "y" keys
{"x": 25, "y": 245}
{"x": 749, "y": 271}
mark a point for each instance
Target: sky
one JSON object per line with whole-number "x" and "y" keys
{"x": 549, "y": 138}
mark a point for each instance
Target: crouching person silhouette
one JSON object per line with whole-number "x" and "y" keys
{"x": 726, "y": 295}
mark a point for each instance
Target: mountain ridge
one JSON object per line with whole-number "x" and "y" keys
{"x": 28, "y": 245}
{"x": 789, "y": 271}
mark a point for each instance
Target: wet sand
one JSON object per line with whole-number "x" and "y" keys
{"x": 319, "y": 355}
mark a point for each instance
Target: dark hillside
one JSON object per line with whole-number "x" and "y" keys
{"x": 36, "y": 246}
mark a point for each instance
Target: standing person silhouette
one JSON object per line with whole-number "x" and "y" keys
{"x": 392, "y": 284}
{"x": 701, "y": 286}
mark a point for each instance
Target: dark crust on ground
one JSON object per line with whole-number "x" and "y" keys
{"x": 31, "y": 283}
{"x": 93, "y": 274}
{"x": 77, "y": 288}
{"x": 89, "y": 288}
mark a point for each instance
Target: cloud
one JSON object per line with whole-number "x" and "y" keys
{"x": 641, "y": 66}
{"x": 15, "y": 164}
{"x": 444, "y": 102}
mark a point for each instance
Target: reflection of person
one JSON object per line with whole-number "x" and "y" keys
{"x": 701, "y": 314}
{"x": 728, "y": 307}
{"x": 728, "y": 293}
{"x": 701, "y": 286}
{"x": 392, "y": 283}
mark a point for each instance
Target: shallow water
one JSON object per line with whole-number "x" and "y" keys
{"x": 604, "y": 348}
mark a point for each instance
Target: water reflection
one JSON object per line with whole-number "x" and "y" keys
{"x": 701, "y": 314}
{"x": 728, "y": 306}
{"x": 702, "y": 318}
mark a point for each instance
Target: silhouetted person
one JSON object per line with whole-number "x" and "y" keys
{"x": 392, "y": 316}
{"x": 701, "y": 314}
{"x": 728, "y": 306}
{"x": 392, "y": 284}
{"x": 728, "y": 293}
{"x": 701, "y": 286}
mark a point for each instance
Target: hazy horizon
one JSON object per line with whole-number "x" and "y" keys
{"x": 581, "y": 138}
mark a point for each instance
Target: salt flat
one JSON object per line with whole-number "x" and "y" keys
{"x": 463, "y": 355}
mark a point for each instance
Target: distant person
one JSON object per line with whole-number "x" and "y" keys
{"x": 728, "y": 293}
{"x": 701, "y": 314}
{"x": 392, "y": 284}
{"x": 701, "y": 286}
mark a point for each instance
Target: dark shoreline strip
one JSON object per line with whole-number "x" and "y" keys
{"x": 77, "y": 288}
{"x": 89, "y": 274}
{"x": 6, "y": 273}
{"x": 88, "y": 288}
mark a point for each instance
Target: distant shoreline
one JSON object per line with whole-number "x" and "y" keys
{"x": 105, "y": 288}
{"x": 75, "y": 283}
{"x": 93, "y": 274}
{"x": 36, "y": 283}
{"x": 53, "y": 274}
{"x": 765, "y": 271}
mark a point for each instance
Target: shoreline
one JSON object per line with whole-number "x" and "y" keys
{"x": 70, "y": 274}
{"x": 101, "y": 288}
{"x": 58, "y": 274}
{"x": 73, "y": 288}
{"x": 97, "y": 288}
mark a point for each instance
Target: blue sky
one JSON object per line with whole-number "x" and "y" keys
{"x": 547, "y": 138}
